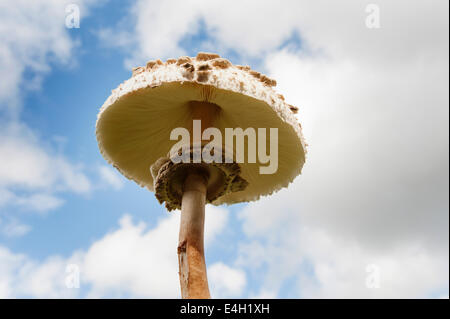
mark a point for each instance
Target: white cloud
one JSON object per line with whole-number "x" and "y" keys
{"x": 142, "y": 262}
{"x": 46, "y": 279}
{"x": 216, "y": 219}
{"x": 38, "y": 202}
{"x": 132, "y": 260}
{"x": 331, "y": 262}
{"x": 11, "y": 227}
{"x": 110, "y": 177}
{"x": 260, "y": 27}
{"x": 31, "y": 173}
{"x": 21, "y": 276}
{"x": 225, "y": 281}
{"x": 10, "y": 264}
{"x": 34, "y": 36}
{"x": 264, "y": 294}
{"x": 341, "y": 269}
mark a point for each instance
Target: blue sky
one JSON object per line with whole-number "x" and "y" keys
{"x": 374, "y": 190}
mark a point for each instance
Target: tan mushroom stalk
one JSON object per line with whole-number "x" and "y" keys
{"x": 134, "y": 132}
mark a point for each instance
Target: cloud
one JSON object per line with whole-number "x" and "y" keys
{"x": 264, "y": 294}
{"x": 22, "y": 276}
{"x": 374, "y": 189}
{"x": 152, "y": 37}
{"x": 226, "y": 281}
{"x": 110, "y": 177}
{"x": 11, "y": 227}
{"x": 30, "y": 173}
{"x": 38, "y": 202}
{"x": 141, "y": 262}
{"x": 216, "y": 220}
{"x": 319, "y": 261}
{"x": 132, "y": 260}
{"x": 34, "y": 37}
{"x": 258, "y": 28}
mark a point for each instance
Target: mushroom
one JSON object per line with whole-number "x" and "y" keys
{"x": 135, "y": 128}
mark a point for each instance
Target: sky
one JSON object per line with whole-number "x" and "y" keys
{"x": 368, "y": 217}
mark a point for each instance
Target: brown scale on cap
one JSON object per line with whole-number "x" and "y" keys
{"x": 255, "y": 74}
{"x": 202, "y": 73}
{"x": 215, "y": 61}
{"x": 138, "y": 70}
{"x": 205, "y": 56}
{"x": 268, "y": 81}
{"x": 221, "y": 63}
{"x": 183, "y": 59}
{"x": 294, "y": 109}
{"x": 243, "y": 67}
{"x": 153, "y": 64}
{"x": 204, "y": 67}
{"x": 264, "y": 79}
{"x": 202, "y": 76}
{"x": 188, "y": 71}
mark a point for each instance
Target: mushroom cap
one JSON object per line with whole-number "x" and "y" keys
{"x": 134, "y": 124}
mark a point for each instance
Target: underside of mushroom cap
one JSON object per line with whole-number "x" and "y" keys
{"x": 135, "y": 122}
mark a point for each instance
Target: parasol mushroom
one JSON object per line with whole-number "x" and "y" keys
{"x": 135, "y": 134}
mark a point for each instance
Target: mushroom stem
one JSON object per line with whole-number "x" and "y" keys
{"x": 191, "y": 258}
{"x": 205, "y": 112}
